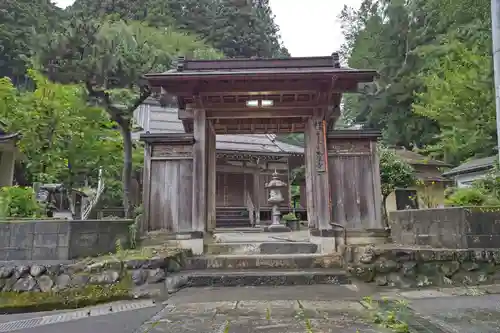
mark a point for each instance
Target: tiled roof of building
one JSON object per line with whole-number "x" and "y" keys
{"x": 154, "y": 118}
{"x": 474, "y": 165}
{"x": 417, "y": 159}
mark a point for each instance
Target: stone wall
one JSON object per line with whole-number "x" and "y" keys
{"x": 60, "y": 239}
{"x": 454, "y": 227}
{"x": 412, "y": 267}
{"x": 23, "y": 277}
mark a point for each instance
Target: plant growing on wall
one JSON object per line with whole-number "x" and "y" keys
{"x": 394, "y": 173}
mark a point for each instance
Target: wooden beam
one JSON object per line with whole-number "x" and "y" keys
{"x": 260, "y": 87}
{"x": 243, "y": 107}
{"x": 304, "y": 113}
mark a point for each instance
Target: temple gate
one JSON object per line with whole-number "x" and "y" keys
{"x": 244, "y": 96}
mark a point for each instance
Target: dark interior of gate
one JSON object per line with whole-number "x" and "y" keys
{"x": 262, "y": 96}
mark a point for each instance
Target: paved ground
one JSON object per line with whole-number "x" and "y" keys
{"x": 241, "y": 237}
{"x": 273, "y": 310}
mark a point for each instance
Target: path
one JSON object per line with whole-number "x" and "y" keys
{"x": 272, "y": 310}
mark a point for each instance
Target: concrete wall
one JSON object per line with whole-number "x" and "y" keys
{"x": 60, "y": 239}
{"x": 454, "y": 227}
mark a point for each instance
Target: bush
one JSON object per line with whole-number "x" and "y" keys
{"x": 16, "y": 201}
{"x": 471, "y": 196}
{"x": 289, "y": 217}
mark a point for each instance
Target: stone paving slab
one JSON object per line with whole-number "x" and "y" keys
{"x": 462, "y": 314}
{"x": 263, "y": 316}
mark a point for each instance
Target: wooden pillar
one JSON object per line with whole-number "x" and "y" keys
{"x": 256, "y": 194}
{"x": 316, "y": 174}
{"x": 200, "y": 154}
{"x": 289, "y": 182}
{"x": 211, "y": 175}
{"x": 7, "y": 161}
{"x": 146, "y": 190}
{"x": 309, "y": 175}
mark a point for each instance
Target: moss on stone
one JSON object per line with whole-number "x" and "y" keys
{"x": 14, "y": 302}
{"x": 147, "y": 252}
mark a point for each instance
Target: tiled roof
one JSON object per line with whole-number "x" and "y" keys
{"x": 153, "y": 118}
{"x": 474, "y": 165}
{"x": 417, "y": 159}
{"x": 261, "y": 143}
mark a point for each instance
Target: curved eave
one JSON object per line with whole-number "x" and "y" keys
{"x": 159, "y": 79}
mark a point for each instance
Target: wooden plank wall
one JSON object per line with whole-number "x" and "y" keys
{"x": 170, "y": 188}
{"x": 231, "y": 187}
{"x": 353, "y": 173}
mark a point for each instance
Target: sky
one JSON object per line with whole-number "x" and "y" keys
{"x": 308, "y": 28}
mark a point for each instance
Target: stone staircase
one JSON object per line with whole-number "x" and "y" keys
{"x": 260, "y": 264}
{"x": 232, "y": 217}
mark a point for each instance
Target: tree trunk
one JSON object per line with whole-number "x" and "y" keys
{"x": 384, "y": 211}
{"x": 127, "y": 167}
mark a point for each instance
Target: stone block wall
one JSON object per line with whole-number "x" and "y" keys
{"x": 453, "y": 227}
{"x": 42, "y": 277}
{"x": 416, "y": 267}
{"x": 60, "y": 239}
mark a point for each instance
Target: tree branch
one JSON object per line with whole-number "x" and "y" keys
{"x": 102, "y": 95}
{"x": 145, "y": 93}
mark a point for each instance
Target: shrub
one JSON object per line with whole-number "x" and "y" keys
{"x": 471, "y": 196}
{"x": 289, "y": 217}
{"x": 16, "y": 201}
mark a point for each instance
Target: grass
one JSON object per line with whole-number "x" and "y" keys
{"x": 143, "y": 253}
{"x": 14, "y": 302}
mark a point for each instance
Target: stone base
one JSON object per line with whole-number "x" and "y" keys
{"x": 367, "y": 237}
{"x": 193, "y": 241}
{"x": 195, "y": 245}
{"x": 324, "y": 239}
{"x": 277, "y": 228}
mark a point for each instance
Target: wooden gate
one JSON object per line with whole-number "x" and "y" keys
{"x": 354, "y": 179}
{"x": 168, "y": 183}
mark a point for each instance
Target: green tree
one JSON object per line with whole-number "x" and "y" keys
{"x": 237, "y": 28}
{"x": 459, "y": 96}
{"x": 389, "y": 35}
{"x": 109, "y": 58}
{"x": 18, "y": 19}
{"x": 394, "y": 173}
{"x": 63, "y": 138}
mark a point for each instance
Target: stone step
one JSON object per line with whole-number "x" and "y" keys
{"x": 238, "y": 230}
{"x": 231, "y": 223}
{"x": 274, "y": 277}
{"x": 261, "y": 247}
{"x": 263, "y": 261}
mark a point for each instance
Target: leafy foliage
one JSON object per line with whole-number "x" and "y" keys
{"x": 237, "y": 28}
{"x": 18, "y": 19}
{"x": 483, "y": 192}
{"x": 459, "y": 96}
{"x": 110, "y": 57}
{"x": 18, "y": 201}
{"x": 433, "y": 60}
{"x": 63, "y": 138}
{"x": 394, "y": 173}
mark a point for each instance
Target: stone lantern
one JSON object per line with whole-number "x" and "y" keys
{"x": 275, "y": 198}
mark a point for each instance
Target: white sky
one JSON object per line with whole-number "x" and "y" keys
{"x": 308, "y": 28}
